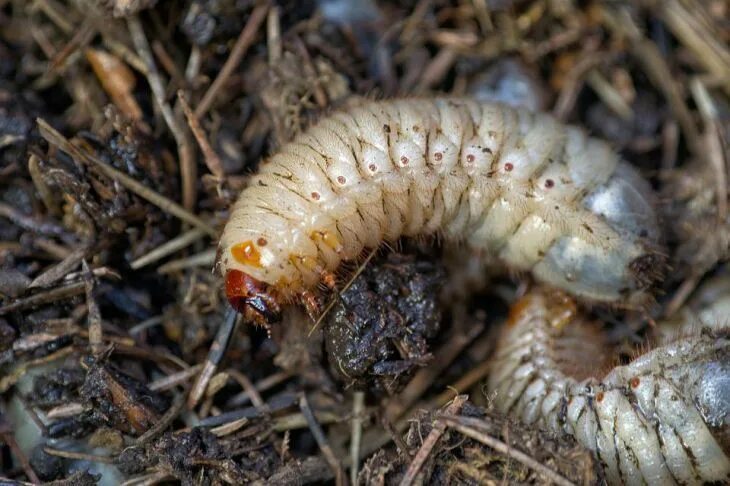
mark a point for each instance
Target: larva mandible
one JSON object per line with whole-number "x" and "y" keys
{"x": 662, "y": 419}
{"x": 540, "y": 196}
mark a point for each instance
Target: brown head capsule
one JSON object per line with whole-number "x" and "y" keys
{"x": 251, "y": 298}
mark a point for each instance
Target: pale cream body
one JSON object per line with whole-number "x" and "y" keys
{"x": 538, "y": 195}
{"x": 657, "y": 420}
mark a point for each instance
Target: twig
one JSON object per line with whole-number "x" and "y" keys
{"x": 568, "y": 95}
{"x": 435, "y": 70}
{"x": 648, "y": 54}
{"x": 66, "y": 410}
{"x": 681, "y": 295}
{"x": 82, "y": 37}
{"x": 670, "y": 145}
{"x": 175, "y": 379}
{"x": 322, "y": 442}
{"x": 55, "y": 273}
{"x": 35, "y": 225}
{"x": 319, "y": 94}
{"x": 430, "y": 442}
{"x": 244, "y": 41}
{"x": 176, "y": 77}
{"x": 79, "y": 456}
{"x": 609, "y": 95}
{"x": 144, "y": 325}
{"x": 249, "y": 387}
{"x": 358, "y": 405}
{"x": 36, "y": 175}
{"x": 164, "y": 421}
{"x": 6, "y": 433}
{"x": 211, "y": 159}
{"x": 260, "y": 386}
{"x": 464, "y": 383}
{"x": 51, "y": 247}
{"x": 230, "y": 427}
{"x": 395, "y": 435}
{"x": 715, "y": 152}
{"x": 273, "y": 36}
{"x": 147, "y": 479}
{"x": 55, "y": 138}
{"x": 275, "y": 404}
{"x": 52, "y": 295}
{"x": 470, "y": 426}
{"x": 188, "y": 169}
{"x": 54, "y": 13}
{"x": 175, "y": 244}
{"x": 693, "y": 29}
{"x": 12, "y": 377}
{"x": 193, "y": 66}
{"x": 202, "y": 259}
{"x": 299, "y": 421}
{"x": 93, "y": 314}
{"x": 215, "y": 355}
{"x": 124, "y": 52}
{"x": 100, "y": 272}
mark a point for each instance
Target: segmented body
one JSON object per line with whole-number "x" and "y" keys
{"x": 538, "y": 195}
{"x": 662, "y": 419}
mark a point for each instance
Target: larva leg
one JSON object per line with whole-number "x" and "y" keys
{"x": 661, "y": 419}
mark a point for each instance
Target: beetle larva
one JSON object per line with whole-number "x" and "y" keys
{"x": 537, "y": 195}
{"x": 662, "y": 419}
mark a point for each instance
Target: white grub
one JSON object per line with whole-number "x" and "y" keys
{"x": 664, "y": 418}
{"x": 540, "y": 196}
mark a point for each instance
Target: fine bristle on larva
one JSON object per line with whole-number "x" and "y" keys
{"x": 540, "y": 196}
{"x": 660, "y": 419}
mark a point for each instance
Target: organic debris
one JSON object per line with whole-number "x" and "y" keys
{"x": 128, "y": 128}
{"x": 379, "y": 329}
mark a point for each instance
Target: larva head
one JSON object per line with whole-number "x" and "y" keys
{"x": 252, "y": 271}
{"x": 252, "y": 267}
{"x": 251, "y": 298}
{"x": 255, "y": 256}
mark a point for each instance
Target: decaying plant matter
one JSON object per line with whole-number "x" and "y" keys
{"x": 129, "y": 128}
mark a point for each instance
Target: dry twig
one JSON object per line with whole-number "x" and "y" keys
{"x": 430, "y": 442}
{"x": 470, "y": 427}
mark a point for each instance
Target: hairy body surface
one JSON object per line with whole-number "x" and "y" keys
{"x": 537, "y": 195}
{"x": 664, "y": 418}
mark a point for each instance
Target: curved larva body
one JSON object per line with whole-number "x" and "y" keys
{"x": 541, "y": 196}
{"x": 662, "y": 419}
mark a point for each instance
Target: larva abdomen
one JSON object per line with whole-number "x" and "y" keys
{"x": 661, "y": 419}
{"x": 538, "y": 195}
